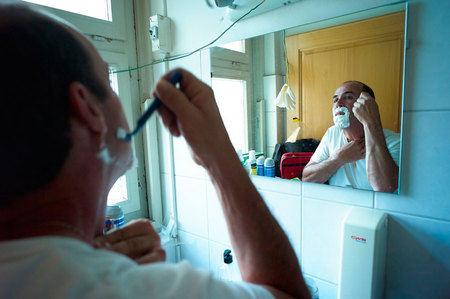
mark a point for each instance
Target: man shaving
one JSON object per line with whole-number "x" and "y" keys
{"x": 356, "y": 152}
{"x": 61, "y": 156}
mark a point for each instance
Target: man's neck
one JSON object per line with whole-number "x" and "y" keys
{"x": 354, "y": 132}
{"x": 62, "y": 208}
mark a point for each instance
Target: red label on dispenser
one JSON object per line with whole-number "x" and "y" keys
{"x": 359, "y": 239}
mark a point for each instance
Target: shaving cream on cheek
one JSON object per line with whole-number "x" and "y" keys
{"x": 105, "y": 156}
{"x": 341, "y": 120}
{"x": 124, "y": 160}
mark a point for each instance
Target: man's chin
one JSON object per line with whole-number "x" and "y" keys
{"x": 342, "y": 124}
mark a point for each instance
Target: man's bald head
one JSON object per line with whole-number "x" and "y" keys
{"x": 364, "y": 87}
{"x": 40, "y": 57}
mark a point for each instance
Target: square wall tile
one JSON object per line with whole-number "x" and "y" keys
{"x": 321, "y": 238}
{"x": 425, "y": 168}
{"x": 191, "y": 63}
{"x": 195, "y": 249}
{"x": 269, "y": 151}
{"x": 271, "y": 130}
{"x": 217, "y": 226}
{"x": 287, "y": 211}
{"x": 205, "y": 60}
{"x": 272, "y": 86}
{"x": 427, "y": 59}
{"x": 326, "y": 290}
{"x": 363, "y": 198}
{"x": 277, "y": 185}
{"x": 184, "y": 164}
{"x": 192, "y": 206}
{"x": 418, "y": 258}
{"x": 170, "y": 247}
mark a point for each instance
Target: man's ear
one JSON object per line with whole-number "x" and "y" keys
{"x": 85, "y": 107}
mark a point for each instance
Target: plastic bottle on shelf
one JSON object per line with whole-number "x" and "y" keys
{"x": 252, "y": 162}
{"x": 114, "y": 218}
{"x": 269, "y": 167}
{"x": 260, "y": 166}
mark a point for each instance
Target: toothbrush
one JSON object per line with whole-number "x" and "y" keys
{"x": 123, "y": 135}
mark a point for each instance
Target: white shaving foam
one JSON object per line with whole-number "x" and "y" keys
{"x": 121, "y": 133}
{"x": 341, "y": 120}
{"x": 105, "y": 156}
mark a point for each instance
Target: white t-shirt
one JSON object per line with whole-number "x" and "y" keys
{"x": 352, "y": 174}
{"x": 57, "y": 267}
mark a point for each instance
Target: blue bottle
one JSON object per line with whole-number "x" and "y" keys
{"x": 269, "y": 168}
{"x": 260, "y": 166}
{"x": 114, "y": 218}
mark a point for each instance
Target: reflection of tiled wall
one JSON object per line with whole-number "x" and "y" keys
{"x": 418, "y": 253}
{"x": 272, "y": 85}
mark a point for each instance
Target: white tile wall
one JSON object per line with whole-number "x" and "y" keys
{"x": 277, "y": 185}
{"x": 427, "y": 56}
{"x": 216, "y": 258}
{"x": 195, "y": 249}
{"x": 270, "y": 150}
{"x": 425, "y": 167}
{"x": 326, "y": 290}
{"x": 192, "y": 205}
{"x": 351, "y": 196}
{"x": 184, "y": 164}
{"x": 218, "y": 230}
{"x": 418, "y": 257}
{"x": 418, "y": 248}
{"x": 286, "y": 209}
{"x": 321, "y": 238}
{"x": 191, "y": 63}
{"x": 271, "y": 130}
{"x": 271, "y": 84}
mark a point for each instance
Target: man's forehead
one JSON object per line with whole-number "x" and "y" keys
{"x": 351, "y": 87}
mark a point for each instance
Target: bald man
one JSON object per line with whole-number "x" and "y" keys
{"x": 356, "y": 152}
{"x": 60, "y": 156}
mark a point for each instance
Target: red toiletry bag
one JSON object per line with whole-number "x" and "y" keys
{"x": 292, "y": 164}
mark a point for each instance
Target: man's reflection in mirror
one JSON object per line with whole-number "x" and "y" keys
{"x": 356, "y": 152}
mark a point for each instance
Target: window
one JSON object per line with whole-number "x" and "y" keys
{"x": 100, "y": 9}
{"x": 102, "y": 18}
{"x": 238, "y": 46}
{"x": 110, "y": 29}
{"x": 118, "y": 192}
{"x": 232, "y": 84}
{"x": 231, "y": 98}
{"x": 125, "y": 190}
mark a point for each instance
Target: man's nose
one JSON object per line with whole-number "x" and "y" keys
{"x": 340, "y": 102}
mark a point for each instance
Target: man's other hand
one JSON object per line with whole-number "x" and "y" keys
{"x": 366, "y": 110}
{"x": 352, "y": 151}
{"x": 137, "y": 239}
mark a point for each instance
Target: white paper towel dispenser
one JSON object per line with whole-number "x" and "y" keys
{"x": 363, "y": 254}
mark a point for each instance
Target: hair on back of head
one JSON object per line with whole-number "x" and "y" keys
{"x": 40, "y": 59}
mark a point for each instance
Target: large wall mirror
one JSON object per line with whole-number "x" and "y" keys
{"x": 314, "y": 59}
